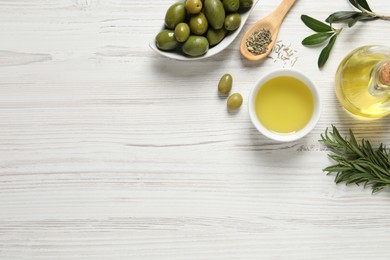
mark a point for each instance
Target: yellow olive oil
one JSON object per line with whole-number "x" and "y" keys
{"x": 284, "y": 104}
{"x": 356, "y": 83}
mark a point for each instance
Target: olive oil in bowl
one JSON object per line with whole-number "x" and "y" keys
{"x": 284, "y": 105}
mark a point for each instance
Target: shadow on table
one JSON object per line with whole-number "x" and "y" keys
{"x": 375, "y": 130}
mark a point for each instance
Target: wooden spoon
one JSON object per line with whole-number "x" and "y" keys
{"x": 272, "y": 23}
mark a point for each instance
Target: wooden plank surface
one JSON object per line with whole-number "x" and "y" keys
{"x": 110, "y": 151}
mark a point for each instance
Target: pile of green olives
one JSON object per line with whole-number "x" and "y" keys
{"x": 194, "y": 26}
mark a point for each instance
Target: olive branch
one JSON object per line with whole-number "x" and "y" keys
{"x": 326, "y": 33}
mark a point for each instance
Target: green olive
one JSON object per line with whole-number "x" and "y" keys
{"x": 231, "y": 5}
{"x": 182, "y": 32}
{"x": 232, "y": 21}
{"x": 195, "y": 46}
{"x": 193, "y": 6}
{"x": 225, "y": 84}
{"x": 234, "y": 101}
{"x": 215, "y": 13}
{"x": 198, "y": 24}
{"x": 166, "y": 41}
{"x": 215, "y": 36}
{"x": 245, "y": 4}
{"x": 176, "y": 14}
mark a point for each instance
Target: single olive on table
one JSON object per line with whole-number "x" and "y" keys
{"x": 225, "y": 84}
{"x": 192, "y": 27}
{"x": 234, "y": 101}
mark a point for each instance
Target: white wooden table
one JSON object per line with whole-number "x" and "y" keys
{"x": 110, "y": 151}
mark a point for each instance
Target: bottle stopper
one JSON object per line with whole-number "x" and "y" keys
{"x": 384, "y": 74}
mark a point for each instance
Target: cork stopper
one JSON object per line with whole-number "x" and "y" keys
{"x": 384, "y": 74}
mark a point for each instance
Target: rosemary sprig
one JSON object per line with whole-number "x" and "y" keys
{"x": 325, "y": 32}
{"x": 357, "y": 163}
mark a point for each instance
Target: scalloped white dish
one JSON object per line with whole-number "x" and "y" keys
{"x": 213, "y": 50}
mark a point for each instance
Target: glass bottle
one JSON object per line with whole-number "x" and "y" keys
{"x": 363, "y": 81}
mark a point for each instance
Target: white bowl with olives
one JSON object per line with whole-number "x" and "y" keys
{"x": 198, "y": 29}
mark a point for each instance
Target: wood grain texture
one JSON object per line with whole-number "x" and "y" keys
{"x": 109, "y": 151}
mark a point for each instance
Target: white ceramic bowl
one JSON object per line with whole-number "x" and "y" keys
{"x": 213, "y": 50}
{"x": 288, "y": 136}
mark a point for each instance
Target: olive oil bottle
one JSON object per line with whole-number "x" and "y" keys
{"x": 363, "y": 81}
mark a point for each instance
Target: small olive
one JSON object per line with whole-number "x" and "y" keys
{"x": 166, "y": 41}
{"x": 215, "y": 13}
{"x": 246, "y": 3}
{"x": 195, "y": 46}
{"x": 225, "y": 84}
{"x": 194, "y": 6}
{"x": 234, "y": 101}
{"x": 215, "y": 36}
{"x": 232, "y": 21}
{"x": 175, "y": 14}
{"x": 231, "y": 5}
{"x": 182, "y": 32}
{"x": 198, "y": 24}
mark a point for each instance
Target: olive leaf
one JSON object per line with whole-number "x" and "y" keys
{"x": 340, "y": 16}
{"x": 324, "y": 55}
{"x": 351, "y": 17}
{"x": 316, "y": 38}
{"x": 355, "y": 19}
{"x": 361, "y": 4}
{"x": 315, "y": 25}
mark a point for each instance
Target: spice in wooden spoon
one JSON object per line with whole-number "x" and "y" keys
{"x": 260, "y": 38}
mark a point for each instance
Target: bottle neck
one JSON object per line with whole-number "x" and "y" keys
{"x": 380, "y": 79}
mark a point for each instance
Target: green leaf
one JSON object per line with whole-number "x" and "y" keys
{"x": 352, "y": 22}
{"x": 336, "y": 168}
{"x": 352, "y": 138}
{"x": 355, "y": 4}
{"x": 341, "y": 16}
{"x": 361, "y": 5}
{"x": 324, "y": 55}
{"x": 315, "y": 25}
{"x": 364, "y": 4}
{"x": 360, "y": 17}
{"x": 317, "y": 38}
